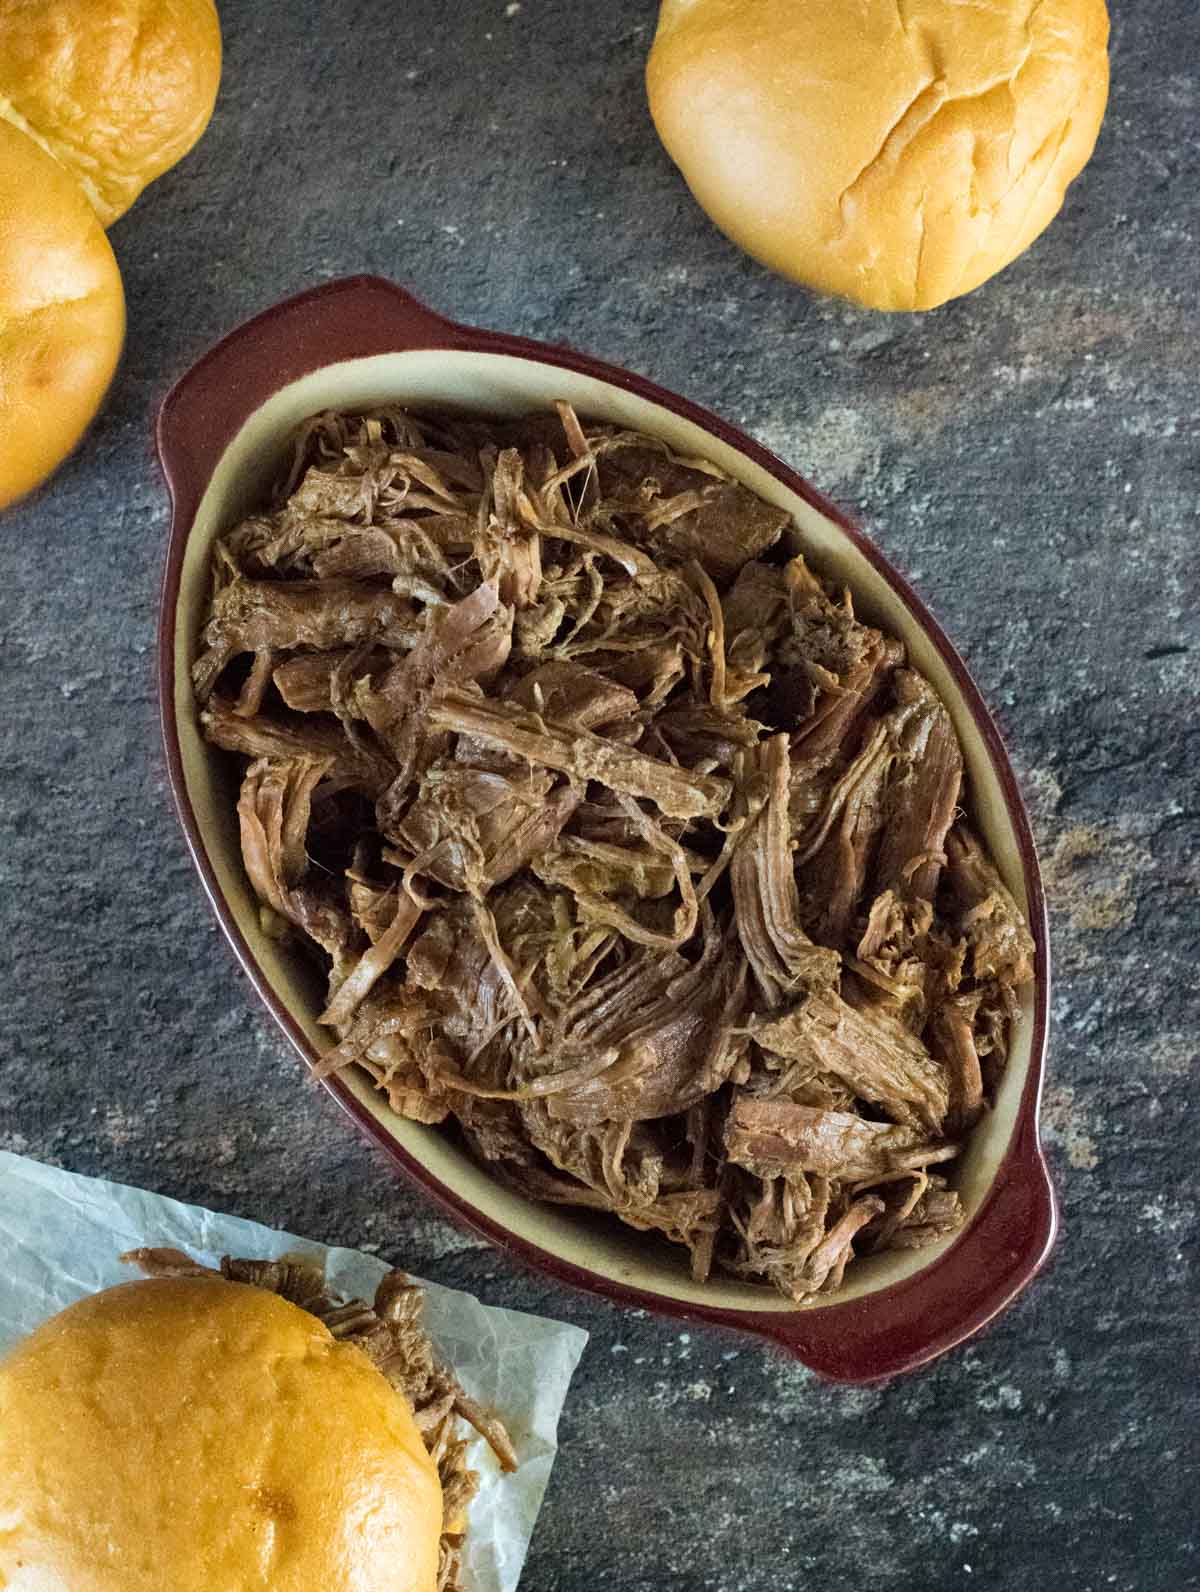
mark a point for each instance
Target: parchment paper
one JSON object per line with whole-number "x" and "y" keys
{"x": 60, "y": 1236}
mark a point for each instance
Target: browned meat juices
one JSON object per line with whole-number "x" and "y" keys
{"x": 632, "y": 855}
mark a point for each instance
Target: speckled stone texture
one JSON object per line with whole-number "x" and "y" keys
{"x": 1028, "y": 456}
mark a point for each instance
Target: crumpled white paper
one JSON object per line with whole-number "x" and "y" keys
{"x": 60, "y": 1236}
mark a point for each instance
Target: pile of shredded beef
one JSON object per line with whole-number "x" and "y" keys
{"x": 631, "y": 854}
{"x": 389, "y": 1331}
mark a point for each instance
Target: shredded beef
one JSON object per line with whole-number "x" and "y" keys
{"x": 775, "y": 1138}
{"x": 634, "y": 856}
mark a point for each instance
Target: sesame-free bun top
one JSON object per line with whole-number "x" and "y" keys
{"x": 62, "y": 313}
{"x": 897, "y": 152}
{"x": 207, "y": 1436}
{"x": 117, "y": 90}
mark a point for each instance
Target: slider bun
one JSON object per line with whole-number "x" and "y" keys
{"x": 62, "y": 313}
{"x": 205, "y": 1436}
{"x": 117, "y": 90}
{"x": 897, "y": 152}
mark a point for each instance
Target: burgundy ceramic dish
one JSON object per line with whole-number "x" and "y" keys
{"x": 222, "y": 432}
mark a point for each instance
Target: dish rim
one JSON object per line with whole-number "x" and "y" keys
{"x": 910, "y": 1322}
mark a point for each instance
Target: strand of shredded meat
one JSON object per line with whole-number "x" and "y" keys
{"x": 390, "y": 1333}
{"x": 633, "y": 857}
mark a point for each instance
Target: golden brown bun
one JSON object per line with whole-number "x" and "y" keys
{"x": 62, "y": 314}
{"x": 118, "y": 90}
{"x": 206, "y": 1436}
{"x": 898, "y": 152}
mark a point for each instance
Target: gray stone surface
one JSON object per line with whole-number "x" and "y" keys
{"x": 1028, "y": 456}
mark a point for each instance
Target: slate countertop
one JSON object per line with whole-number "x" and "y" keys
{"x": 1028, "y": 456}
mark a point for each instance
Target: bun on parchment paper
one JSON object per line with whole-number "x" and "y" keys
{"x": 207, "y": 1436}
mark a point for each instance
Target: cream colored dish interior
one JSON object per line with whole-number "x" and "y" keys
{"x": 500, "y": 385}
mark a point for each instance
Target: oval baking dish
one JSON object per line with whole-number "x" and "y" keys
{"x": 352, "y": 344}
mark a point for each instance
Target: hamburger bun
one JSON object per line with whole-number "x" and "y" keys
{"x": 62, "y": 313}
{"x": 207, "y": 1436}
{"x": 898, "y": 154}
{"x": 117, "y": 90}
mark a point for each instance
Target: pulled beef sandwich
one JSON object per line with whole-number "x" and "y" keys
{"x": 216, "y": 1431}
{"x": 629, "y": 851}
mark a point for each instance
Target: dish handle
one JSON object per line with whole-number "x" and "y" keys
{"x": 886, "y": 1333}
{"x": 354, "y": 317}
